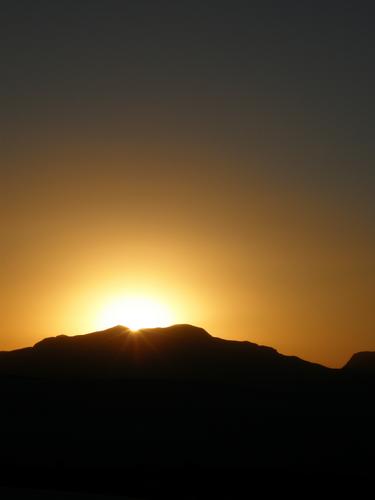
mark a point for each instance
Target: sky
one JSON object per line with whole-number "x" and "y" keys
{"x": 217, "y": 157}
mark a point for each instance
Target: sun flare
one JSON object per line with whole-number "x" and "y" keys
{"x": 136, "y": 312}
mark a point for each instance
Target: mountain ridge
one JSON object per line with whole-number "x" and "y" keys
{"x": 182, "y": 351}
{"x": 362, "y": 362}
{"x": 153, "y": 410}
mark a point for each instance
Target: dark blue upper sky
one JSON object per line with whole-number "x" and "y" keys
{"x": 296, "y": 78}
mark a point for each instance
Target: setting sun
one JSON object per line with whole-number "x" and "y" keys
{"x": 136, "y": 312}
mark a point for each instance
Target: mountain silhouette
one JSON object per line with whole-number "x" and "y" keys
{"x": 181, "y": 351}
{"x": 362, "y": 363}
{"x": 177, "y": 413}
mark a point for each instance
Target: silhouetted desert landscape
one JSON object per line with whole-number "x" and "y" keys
{"x": 165, "y": 164}
{"x": 174, "y": 412}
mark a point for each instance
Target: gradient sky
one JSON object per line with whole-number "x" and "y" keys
{"x": 218, "y": 156}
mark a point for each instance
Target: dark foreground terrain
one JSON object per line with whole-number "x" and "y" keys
{"x": 176, "y": 413}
